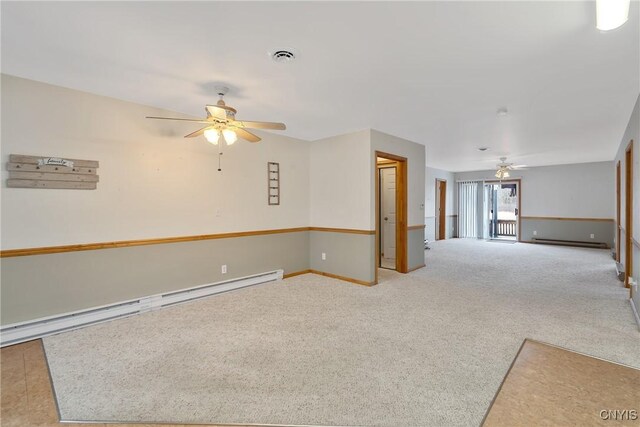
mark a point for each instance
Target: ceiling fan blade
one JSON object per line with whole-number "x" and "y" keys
{"x": 216, "y": 111}
{"x": 244, "y": 134}
{"x": 259, "y": 125}
{"x": 197, "y": 133}
{"x": 182, "y": 120}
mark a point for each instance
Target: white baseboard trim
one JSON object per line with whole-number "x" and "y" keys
{"x": 25, "y": 331}
{"x": 635, "y": 313}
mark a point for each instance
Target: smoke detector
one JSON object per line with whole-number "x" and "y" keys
{"x": 502, "y": 112}
{"x": 483, "y": 148}
{"x": 283, "y": 55}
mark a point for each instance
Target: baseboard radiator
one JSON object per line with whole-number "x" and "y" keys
{"x": 24, "y": 331}
{"x": 598, "y": 245}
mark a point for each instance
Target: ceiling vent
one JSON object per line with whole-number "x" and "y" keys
{"x": 283, "y": 55}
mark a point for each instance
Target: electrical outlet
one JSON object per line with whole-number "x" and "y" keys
{"x": 535, "y": 232}
{"x": 593, "y": 236}
{"x": 324, "y": 256}
{"x": 224, "y": 269}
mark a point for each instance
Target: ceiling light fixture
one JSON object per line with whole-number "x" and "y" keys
{"x": 611, "y": 14}
{"x": 221, "y": 121}
{"x": 212, "y": 135}
{"x": 502, "y": 173}
{"x": 229, "y": 136}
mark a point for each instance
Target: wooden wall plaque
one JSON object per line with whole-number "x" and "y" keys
{"x": 52, "y": 172}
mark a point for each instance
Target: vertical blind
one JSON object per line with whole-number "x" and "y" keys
{"x": 468, "y": 208}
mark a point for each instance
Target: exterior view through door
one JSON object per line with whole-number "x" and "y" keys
{"x": 502, "y": 210}
{"x": 387, "y": 177}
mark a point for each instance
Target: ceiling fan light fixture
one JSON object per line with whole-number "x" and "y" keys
{"x": 212, "y": 135}
{"x": 502, "y": 173}
{"x": 611, "y": 14}
{"x": 229, "y": 136}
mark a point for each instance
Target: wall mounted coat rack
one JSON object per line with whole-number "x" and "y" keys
{"x": 52, "y": 172}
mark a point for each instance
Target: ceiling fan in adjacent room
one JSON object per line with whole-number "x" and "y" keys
{"x": 221, "y": 122}
{"x": 504, "y": 168}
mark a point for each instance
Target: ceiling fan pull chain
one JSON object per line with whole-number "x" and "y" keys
{"x": 219, "y": 157}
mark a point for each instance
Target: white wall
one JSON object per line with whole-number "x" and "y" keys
{"x": 153, "y": 182}
{"x": 416, "y": 155}
{"x": 339, "y": 181}
{"x": 575, "y": 191}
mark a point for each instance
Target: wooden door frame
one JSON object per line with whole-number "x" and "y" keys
{"x": 519, "y": 182}
{"x": 443, "y": 216}
{"x": 628, "y": 219}
{"x": 618, "y": 225}
{"x": 401, "y": 211}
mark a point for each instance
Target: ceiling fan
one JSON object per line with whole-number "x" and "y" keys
{"x": 504, "y": 168}
{"x": 221, "y": 121}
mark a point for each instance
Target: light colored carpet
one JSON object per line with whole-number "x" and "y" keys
{"x": 425, "y": 349}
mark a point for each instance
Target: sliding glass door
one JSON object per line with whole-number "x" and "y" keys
{"x": 501, "y": 210}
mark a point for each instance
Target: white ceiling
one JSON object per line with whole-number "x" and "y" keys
{"x": 432, "y": 72}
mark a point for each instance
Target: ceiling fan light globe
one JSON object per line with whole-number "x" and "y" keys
{"x": 611, "y": 14}
{"x": 212, "y": 135}
{"x": 229, "y": 136}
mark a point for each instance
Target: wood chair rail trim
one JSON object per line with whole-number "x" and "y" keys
{"x": 164, "y": 240}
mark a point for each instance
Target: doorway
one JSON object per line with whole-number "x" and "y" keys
{"x": 387, "y": 185}
{"x": 391, "y": 212}
{"x": 618, "y": 180}
{"x": 441, "y": 209}
{"x": 502, "y": 210}
{"x": 628, "y": 210}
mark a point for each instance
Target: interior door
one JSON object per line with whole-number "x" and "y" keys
{"x": 388, "y": 214}
{"x": 442, "y": 208}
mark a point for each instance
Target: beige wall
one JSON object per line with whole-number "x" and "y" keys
{"x": 581, "y": 190}
{"x": 153, "y": 183}
{"x": 339, "y": 181}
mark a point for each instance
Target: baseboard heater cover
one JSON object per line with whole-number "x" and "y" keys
{"x": 599, "y": 245}
{"x": 25, "y": 331}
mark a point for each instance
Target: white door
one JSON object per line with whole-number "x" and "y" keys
{"x": 388, "y": 216}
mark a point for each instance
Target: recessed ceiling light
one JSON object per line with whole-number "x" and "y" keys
{"x": 502, "y": 112}
{"x": 283, "y": 55}
{"x": 483, "y": 148}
